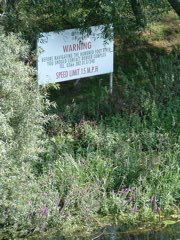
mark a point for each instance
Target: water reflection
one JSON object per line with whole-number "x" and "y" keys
{"x": 171, "y": 232}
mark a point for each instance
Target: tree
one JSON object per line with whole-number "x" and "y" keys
{"x": 30, "y": 17}
{"x": 175, "y": 4}
{"x": 138, "y": 12}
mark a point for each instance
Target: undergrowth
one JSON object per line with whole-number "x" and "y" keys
{"x": 120, "y": 155}
{"x": 104, "y": 156}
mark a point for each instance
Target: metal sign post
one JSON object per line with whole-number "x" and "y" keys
{"x": 77, "y": 81}
{"x": 111, "y": 83}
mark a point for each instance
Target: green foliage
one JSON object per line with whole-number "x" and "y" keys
{"x": 103, "y": 156}
{"x": 22, "y": 194}
{"x": 32, "y": 17}
{"x": 21, "y": 108}
{"x": 131, "y": 160}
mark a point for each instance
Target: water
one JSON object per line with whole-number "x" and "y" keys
{"x": 172, "y": 232}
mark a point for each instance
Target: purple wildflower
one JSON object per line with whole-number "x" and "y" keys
{"x": 134, "y": 210}
{"x": 155, "y": 206}
{"x": 129, "y": 199}
{"x": 44, "y": 211}
{"x": 158, "y": 209}
{"x": 125, "y": 191}
{"x": 85, "y": 190}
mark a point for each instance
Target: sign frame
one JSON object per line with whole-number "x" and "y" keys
{"x": 72, "y": 43}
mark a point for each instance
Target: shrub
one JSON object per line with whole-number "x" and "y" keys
{"x": 22, "y": 119}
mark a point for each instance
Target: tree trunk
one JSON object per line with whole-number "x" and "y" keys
{"x": 138, "y": 12}
{"x": 175, "y": 4}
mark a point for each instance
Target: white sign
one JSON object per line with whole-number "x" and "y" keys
{"x": 69, "y": 55}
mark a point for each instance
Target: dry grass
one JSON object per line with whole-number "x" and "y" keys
{"x": 165, "y": 34}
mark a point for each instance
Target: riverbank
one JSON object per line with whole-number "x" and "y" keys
{"x": 100, "y": 158}
{"x": 167, "y": 229}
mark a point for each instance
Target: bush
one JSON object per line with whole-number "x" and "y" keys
{"x": 22, "y": 137}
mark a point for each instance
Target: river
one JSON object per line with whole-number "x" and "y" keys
{"x": 171, "y": 232}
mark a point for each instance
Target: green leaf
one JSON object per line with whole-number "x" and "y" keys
{"x": 169, "y": 222}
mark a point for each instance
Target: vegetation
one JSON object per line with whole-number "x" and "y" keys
{"x": 89, "y": 156}
{"x": 30, "y": 17}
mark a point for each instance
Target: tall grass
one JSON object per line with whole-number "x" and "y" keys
{"x": 107, "y": 156}
{"x": 122, "y": 159}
